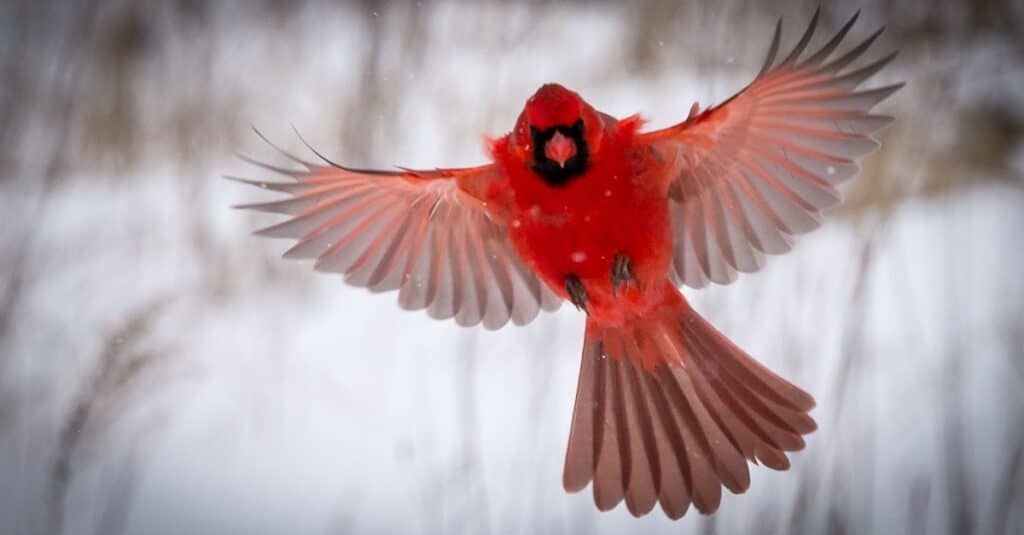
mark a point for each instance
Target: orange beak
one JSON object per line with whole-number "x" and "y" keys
{"x": 560, "y": 148}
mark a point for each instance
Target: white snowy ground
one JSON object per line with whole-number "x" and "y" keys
{"x": 166, "y": 373}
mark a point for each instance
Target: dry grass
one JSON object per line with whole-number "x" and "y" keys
{"x": 90, "y": 100}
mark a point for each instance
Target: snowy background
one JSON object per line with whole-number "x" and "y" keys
{"x": 163, "y": 371}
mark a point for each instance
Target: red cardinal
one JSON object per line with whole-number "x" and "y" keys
{"x": 580, "y": 206}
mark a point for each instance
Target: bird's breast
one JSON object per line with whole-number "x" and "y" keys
{"x": 579, "y": 230}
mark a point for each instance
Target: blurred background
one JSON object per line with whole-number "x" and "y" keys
{"x": 163, "y": 371}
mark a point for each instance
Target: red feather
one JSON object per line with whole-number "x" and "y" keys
{"x": 580, "y": 206}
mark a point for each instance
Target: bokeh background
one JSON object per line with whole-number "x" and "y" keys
{"x": 163, "y": 371}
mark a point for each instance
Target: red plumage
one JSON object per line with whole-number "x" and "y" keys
{"x": 580, "y": 206}
{"x": 581, "y": 227}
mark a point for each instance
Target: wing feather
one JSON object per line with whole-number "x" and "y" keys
{"x": 427, "y": 234}
{"x": 746, "y": 176}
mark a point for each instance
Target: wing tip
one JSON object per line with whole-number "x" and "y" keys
{"x": 270, "y": 232}
{"x": 773, "y": 49}
{"x": 887, "y": 91}
{"x": 309, "y": 165}
{"x": 313, "y": 150}
{"x": 238, "y": 180}
{"x": 804, "y": 39}
{"x": 284, "y": 187}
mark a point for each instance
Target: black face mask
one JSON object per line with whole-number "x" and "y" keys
{"x": 548, "y": 169}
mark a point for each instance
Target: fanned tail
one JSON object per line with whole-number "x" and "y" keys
{"x": 668, "y": 410}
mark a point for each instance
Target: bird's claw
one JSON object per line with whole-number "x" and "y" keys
{"x": 622, "y": 272}
{"x": 577, "y": 294}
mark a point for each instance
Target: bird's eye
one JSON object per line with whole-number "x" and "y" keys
{"x": 578, "y": 126}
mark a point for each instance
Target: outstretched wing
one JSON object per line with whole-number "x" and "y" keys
{"x": 747, "y": 175}
{"x": 427, "y": 234}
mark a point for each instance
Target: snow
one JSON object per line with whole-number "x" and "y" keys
{"x": 227, "y": 390}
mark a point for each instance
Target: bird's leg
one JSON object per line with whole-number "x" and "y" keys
{"x": 622, "y": 273}
{"x": 577, "y": 294}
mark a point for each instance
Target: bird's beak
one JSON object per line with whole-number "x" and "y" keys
{"x": 559, "y": 149}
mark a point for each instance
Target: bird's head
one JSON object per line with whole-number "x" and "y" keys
{"x": 558, "y": 133}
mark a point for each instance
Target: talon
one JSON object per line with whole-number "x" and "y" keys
{"x": 622, "y": 273}
{"x": 577, "y": 294}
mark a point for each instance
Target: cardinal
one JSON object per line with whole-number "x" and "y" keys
{"x": 579, "y": 206}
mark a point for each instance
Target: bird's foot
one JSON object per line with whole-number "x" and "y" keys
{"x": 577, "y": 294}
{"x": 622, "y": 272}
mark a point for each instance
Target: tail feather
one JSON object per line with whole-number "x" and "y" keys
{"x": 668, "y": 411}
{"x": 612, "y": 471}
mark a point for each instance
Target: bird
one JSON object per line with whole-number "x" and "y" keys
{"x": 579, "y": 206}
